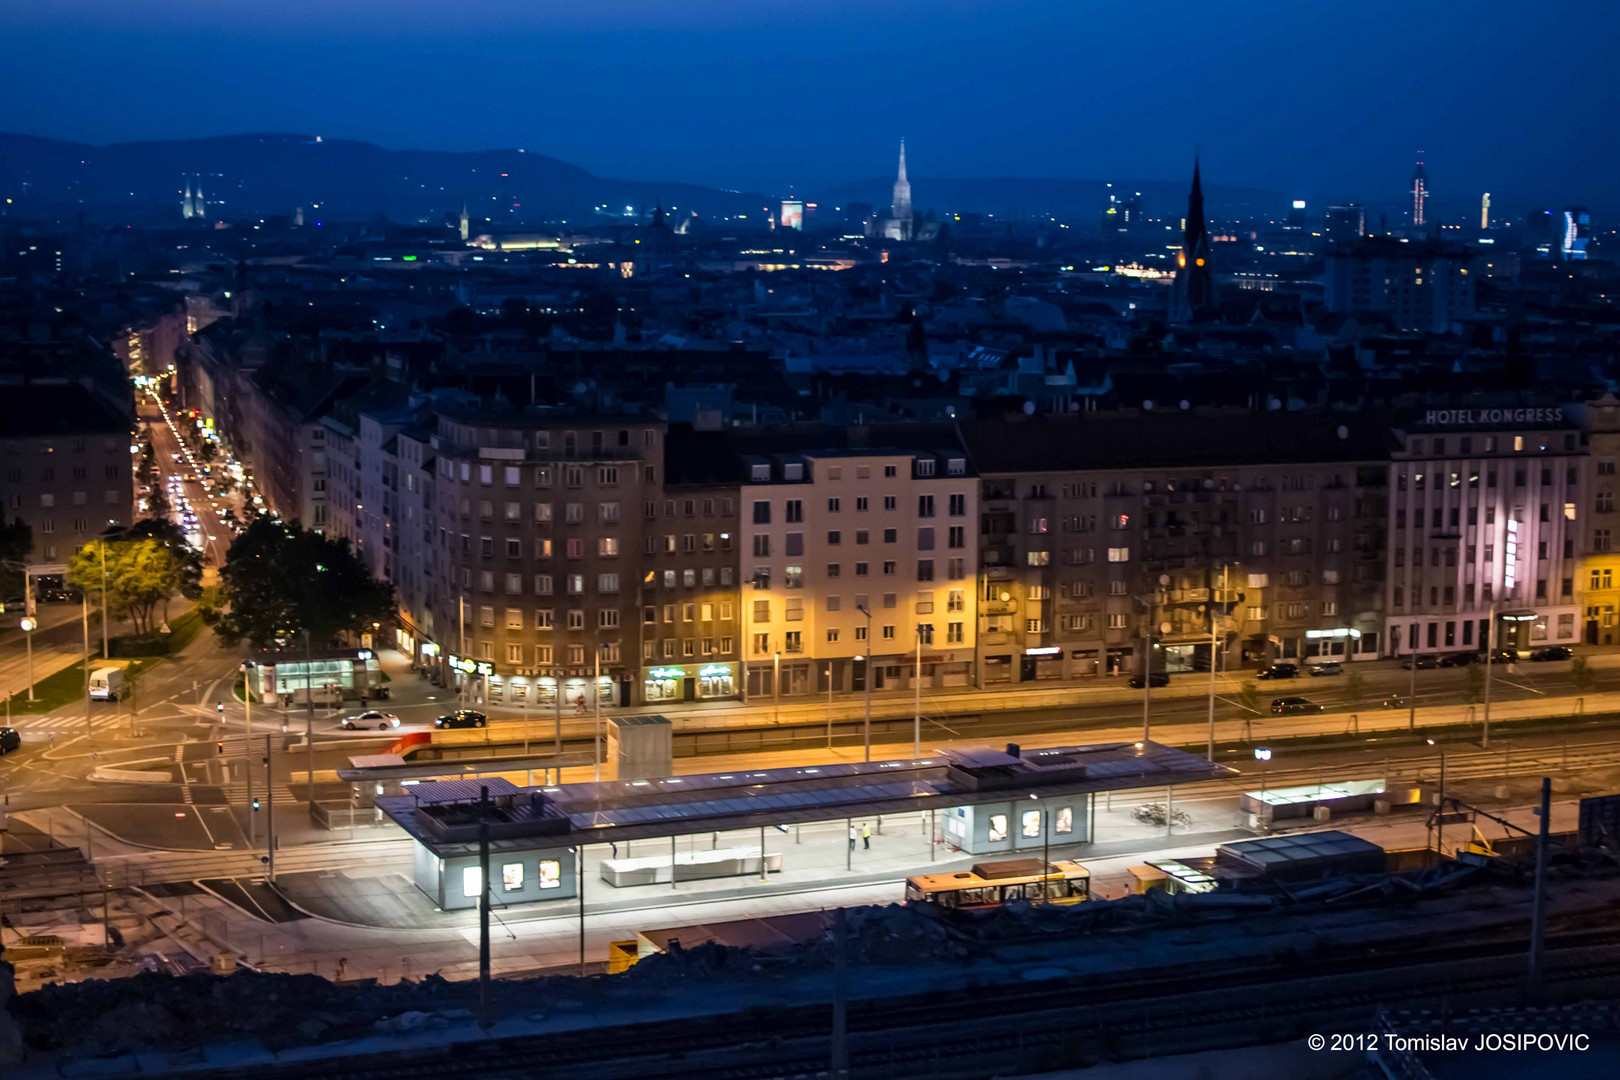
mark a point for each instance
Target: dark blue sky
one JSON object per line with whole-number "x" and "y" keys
{"x": 1320, "y": 98}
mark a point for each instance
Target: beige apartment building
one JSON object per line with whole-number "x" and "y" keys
{"x": 850, "y": 559}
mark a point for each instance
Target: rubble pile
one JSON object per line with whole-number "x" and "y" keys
{"x": 117, "y": 1015}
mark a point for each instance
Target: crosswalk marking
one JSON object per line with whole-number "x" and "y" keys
{"x": 236, "y": 792}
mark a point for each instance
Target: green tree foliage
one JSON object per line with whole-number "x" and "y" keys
{"x": 16, "y": 545}
{"x": 140, "y": 575}
{"x": 1355, "y": 687}
{"x": 1249, "y": 694}
{"x": 281, "y": 579}
{"x": 1581, "y": 673}
{"x": 173, "y": 537}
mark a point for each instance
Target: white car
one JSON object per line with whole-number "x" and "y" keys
{"x": 371, "y": 718}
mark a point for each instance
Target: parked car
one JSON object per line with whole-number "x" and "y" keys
{"x": 9, "y": 740}
{"x": 1551, "y": 652}
{"x": 1293, "y": 706}
{"x": 1325, "y": 667}
{"x": 1500, "y": 656}
{"x": 1459, "y": 659}
{"x": 1425, "y": 661}
{"x": 371, "y": 718}
{"x": 461, "y": 718}
{"x": 1396, "y": 701}
{"x": 14, "y": 603}
{"x": 1157, "y": 678}
{"x": 1278, "y": 671}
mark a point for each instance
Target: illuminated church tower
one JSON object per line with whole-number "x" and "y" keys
{"x": 1193, "y": 294}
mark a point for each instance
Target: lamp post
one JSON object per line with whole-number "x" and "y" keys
{"x": 776, "y": 687}
{"x": 925, "y": 632}
{"x": 867, "y": 729}
{"x": 1490, "y": 647}
{"x": 596, "y": 728}
{"x": 1147, "y": 654}
{"x": 1214, "y": 654}
{"x": 247, "y": 747}
{"x": 1262, "y": 754}
{"x": 105, "y": 652}
{"x": 1440, "y": 810}
{"x": 29, "y": 623}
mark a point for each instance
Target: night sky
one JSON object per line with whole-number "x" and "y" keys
{"x": 1315, "y": 98}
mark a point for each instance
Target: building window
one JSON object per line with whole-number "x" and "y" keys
{"x": 1115, "y": 555}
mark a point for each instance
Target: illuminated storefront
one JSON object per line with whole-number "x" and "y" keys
{"x": 689, "y": 682}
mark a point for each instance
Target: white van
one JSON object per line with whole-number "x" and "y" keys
{"x": 106, "y": 683}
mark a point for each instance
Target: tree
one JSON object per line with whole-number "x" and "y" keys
{"x": 172, "y": 537}
{"x": 280, "y": 580}
{"x": 16, "y": 545}
{"x": 1249, "y": 694}
{"x": 140, "y": 575}
{"x": 1473, "y": 683}
{"x": 1581, "y": 673}
{"x": 1355, "y": 687}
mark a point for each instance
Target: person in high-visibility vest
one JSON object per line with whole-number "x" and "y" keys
{"x": 866, "y": 836}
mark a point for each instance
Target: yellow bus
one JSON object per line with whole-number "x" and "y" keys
{"x": 991, "y": 884}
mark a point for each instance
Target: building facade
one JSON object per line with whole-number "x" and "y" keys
{"x": 1082, "y": 564}
{"x": 856, "y": 562}
{"x": 1485, "y": 513}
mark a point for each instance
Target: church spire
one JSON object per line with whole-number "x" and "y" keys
{"x": 1194, "y": 288}
{"x": 464, "y": 221}
{"x": 186, "y": 210}
{"x": 900, "y": 209}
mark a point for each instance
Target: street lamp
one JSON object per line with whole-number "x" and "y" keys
{"x": 1262, "y": 754}
{"x": 867, "y": 730}
{"x": 1440, "y": 810}
{"x": 29, "y": 624}
{"x": 925, "y": 632}
{"x": 1214, "y": 651}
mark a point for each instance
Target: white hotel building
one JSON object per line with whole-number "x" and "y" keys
{"x": 1483, "y": 517}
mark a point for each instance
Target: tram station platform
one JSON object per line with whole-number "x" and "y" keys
{"x": 812, "y": 823}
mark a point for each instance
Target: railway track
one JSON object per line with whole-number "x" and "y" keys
{"x": 1027, "y": 1026}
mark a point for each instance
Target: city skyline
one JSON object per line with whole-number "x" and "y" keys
{"x": 1326, "y": 130}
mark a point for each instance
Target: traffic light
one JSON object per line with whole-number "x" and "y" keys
{"x": 220, "y": 708}
{"x": 255, "y": 804}
{"x": 220, "y": 747}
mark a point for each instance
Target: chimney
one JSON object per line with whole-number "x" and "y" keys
{"x": 1013, "y": 750}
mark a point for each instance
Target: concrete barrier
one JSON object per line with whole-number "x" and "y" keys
{"x": 131, "y": 776}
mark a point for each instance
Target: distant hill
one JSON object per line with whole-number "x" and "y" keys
{"x": 1083, "y": 200}
{"x": 274, "y": 173}
{"x": 348, "y": 180}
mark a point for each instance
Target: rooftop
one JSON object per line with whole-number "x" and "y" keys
{"x": 619, "y": 810}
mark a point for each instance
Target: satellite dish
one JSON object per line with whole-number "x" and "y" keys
{"x": 1164, "y": 579}
{"x": 1209, "y": 485}
{"x": 1029, "y": 408}
{"x": 1164, "y": 627}
{"x": 1202, "y": 608}
{"x": 1185, "y": 404}
{"x": 1006, "y": 596}
{"x": 1344, "y": 432}
{"x": 1147, "y": 406}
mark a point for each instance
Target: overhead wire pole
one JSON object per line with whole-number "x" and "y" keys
{"x": 309, "y": 715}
{"x": 867, "y": 729}
{"x": 1490, "y": 647}
{"x": 105, "y": 651}
{"x": 1214, "y": 653}
{"x": 85, "y": 599}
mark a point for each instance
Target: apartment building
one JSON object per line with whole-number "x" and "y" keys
{"x": 691, "y": 623}
{"x": 1486, "y": 510}
{"x": 858, "y": 559}
{"x": 1597, "y": 580}
{"x": 65, "y": 463}
{"x": 1263, "y": 535}
{"x": 538, "y": 522}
